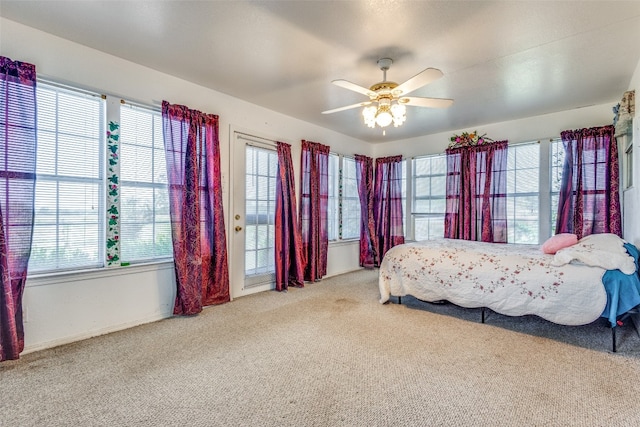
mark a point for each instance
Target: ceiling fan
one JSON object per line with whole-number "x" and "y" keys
{"x": 387, "y": 99}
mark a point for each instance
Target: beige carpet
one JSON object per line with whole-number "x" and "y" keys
{"x": 331, "y": 355}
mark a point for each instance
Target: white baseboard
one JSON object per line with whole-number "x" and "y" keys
{"x": 338, "y": 273}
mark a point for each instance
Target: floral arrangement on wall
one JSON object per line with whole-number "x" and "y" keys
{"x": 624, "y": 112}
{"x": 466, "y": 139}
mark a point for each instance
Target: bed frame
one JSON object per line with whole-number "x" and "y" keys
{"x": 631, "y": 315}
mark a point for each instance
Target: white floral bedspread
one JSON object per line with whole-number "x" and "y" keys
{"x": 514, "y": 280}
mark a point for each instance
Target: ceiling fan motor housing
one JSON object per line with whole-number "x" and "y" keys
{"x": 385, "y": 63}
{"x": 383, "y": 89}
{"x": 384, "y": 86}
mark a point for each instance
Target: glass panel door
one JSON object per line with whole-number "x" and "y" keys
{"x": 253, "y": 192}
{"x": 260, "y": 195}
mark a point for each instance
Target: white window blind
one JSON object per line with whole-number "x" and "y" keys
{"x": 344, "y": 201}
{"x": 69, "y": 200}
{"x": 333, "y": 216}
{"x": 350, "y": 200}
{"x": 261, "y": 175}
{"x": 145, "y": 227}
{"x": 523, "y": 193}
{"x": 429, "y": 180}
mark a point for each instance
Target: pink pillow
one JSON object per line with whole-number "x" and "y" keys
{"x": 559, "y": 241}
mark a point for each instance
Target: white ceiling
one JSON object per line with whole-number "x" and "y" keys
{"x": 502, "y": 60}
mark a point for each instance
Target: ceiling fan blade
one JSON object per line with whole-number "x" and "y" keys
{"x": 426, "y": 102}
{"x": 421, "y": 79}
{"x": 354, "y": 87}
{"x": 348, "y": 107}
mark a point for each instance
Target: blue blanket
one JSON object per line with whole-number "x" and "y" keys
{"x": 623, "y": 290}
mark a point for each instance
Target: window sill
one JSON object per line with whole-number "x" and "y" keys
{"x": 343, "y": 242}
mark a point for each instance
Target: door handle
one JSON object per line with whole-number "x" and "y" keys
{"x": 238, "y": 228}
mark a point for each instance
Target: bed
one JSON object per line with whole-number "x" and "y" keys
{"x": 580, "y": 283}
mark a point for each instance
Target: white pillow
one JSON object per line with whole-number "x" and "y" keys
{"x": 598, "y": 250}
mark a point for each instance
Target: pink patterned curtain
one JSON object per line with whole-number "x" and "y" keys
{"x": 17, "y": 193}
{"x": 288, "y": 242}
{"x": 314, "y": 200}
{"x": 477, "y": 193}
{"x": 387, "y": 204}
{"x": 589, "y": 201}
{"x": 368, "y": 242}
{"x": 197, "y": 219}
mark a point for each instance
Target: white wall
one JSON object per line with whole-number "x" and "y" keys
{"x": 66, "y": 307}
{"x": 70, "y": 307}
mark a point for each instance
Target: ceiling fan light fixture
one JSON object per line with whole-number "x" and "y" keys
{"x": 369, "y": 115}
{"x": 399, "y": 114}
{"x": 384, "y": 117}
{"x": 384, "y": 114}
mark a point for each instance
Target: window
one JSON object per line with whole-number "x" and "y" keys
{"x": 403, "y": 172}
{"x": 523, "y": 193}
{"x": 350, "y": 200}
{"x": 344, "y": 201}
{"x": 429, "y": 190}
{"x": 71, "y": 222}
{"x": 527, "y": 191}
{"x": 555, "y": 169}
{"x": 628, "y": 161}
{"x": 145, "y": 226}
{"x": 629, "y": 169}
{"x": 260, "y": 207}
{"x": 69, "y": 200}
{"x": 333, "y": 218}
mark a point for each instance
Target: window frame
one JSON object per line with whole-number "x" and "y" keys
{"x": 413, "y": 214}
{"x": 260, "y": 220}
{"x": 110, "y": 114}
{"x": 57, "y": 179}
{"x": 545, "y": 193}
{"x": 553, "y": 208}
{"x": 153, "y": 184}
{"x": 339, "y": 197}
{"x": 513, "y": 196}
